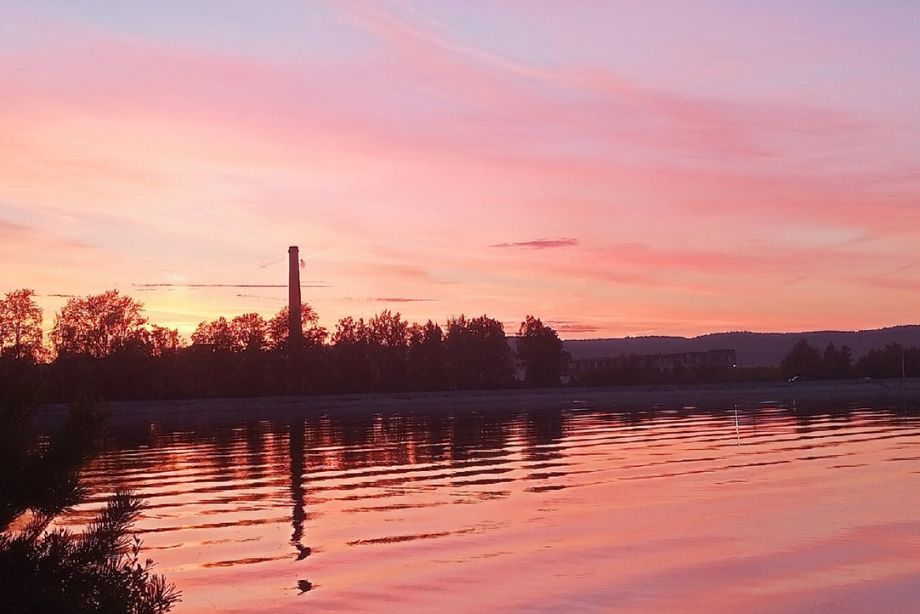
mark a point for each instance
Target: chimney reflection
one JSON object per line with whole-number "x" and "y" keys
{"x": 299, "y": 514}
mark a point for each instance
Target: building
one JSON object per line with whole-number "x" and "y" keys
{"x": 658, "y": 363}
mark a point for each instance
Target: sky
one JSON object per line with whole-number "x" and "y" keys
{"x": 614, "y": 168}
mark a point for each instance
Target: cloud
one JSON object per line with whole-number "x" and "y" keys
{"x": 893, "y": 283}
{"x": 196, "y": 286}
{"x": 351, "y": 150}
{"x": 22, "y": 237}
{"x": 390, "y": 272}
{"x": 652, "y": 119}
{"x": 540, "y": 243}
{"x": 570, "y": 326}
{"x": 897, "y": 270}
{"x": 257, "y": 297}
{"x": 400, "y": 299}
{"x": 264, "y": 264}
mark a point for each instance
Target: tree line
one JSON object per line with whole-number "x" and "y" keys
{"x": 104, "y": 344}
{"x": 807, "y": 361}
{"x": 804, "y": 361}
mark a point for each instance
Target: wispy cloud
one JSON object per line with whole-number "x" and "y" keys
{"x": 22, "y": 237}
{"x": 400, "y": 299}
{"x": 669, "y": 119}
{"x": 893, "y": 283}
{"x": 345, "y": 145}
{"x": 897, "y": 270}
{"x": 540, "y": 243}
{"x": 570, "y": 326}
{"x": 196, "y": 286}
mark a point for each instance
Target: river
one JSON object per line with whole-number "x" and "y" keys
{"x": 757, "y": 508}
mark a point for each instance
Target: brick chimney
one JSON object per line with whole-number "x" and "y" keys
{"x": 295, "y": 326}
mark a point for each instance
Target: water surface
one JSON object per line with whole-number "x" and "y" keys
{"x": 763, "y": 508}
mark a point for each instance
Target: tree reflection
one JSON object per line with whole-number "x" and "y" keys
{"x": 544, "y": 431}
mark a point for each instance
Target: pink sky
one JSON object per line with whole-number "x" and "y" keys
{"x": 614, "y": 168}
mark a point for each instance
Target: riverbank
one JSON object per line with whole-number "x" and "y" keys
{"x": 811, "y": 394}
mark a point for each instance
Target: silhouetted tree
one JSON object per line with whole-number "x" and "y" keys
{"x": 477, "y": 353}
{"x": 163, "y": 341}
{"x": 540, "y": 351}
{"x": 20, "y": 326}
{"x": 892, "y": 361}
{"x": 313, "y": 333}
{"x": 98, "y": 570}
{"x": 348, "y": 330}
{"x": 388, "y": 346}
{"x": 229, "y": 357}
{"x": 837, "y": 363}
{"x": 352, "y": 365}
{"x": 43, "y": 480}
{"x": 803, "y": 359}
{"x": 249, "y": 333}
{"x": 388, "y": 330}
{"x": 216, "y": 334}
{"x": 98, "y": 325}
{"x": 426, "y": 356}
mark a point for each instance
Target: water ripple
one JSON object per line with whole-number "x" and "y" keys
{"x": 694, "y": 505}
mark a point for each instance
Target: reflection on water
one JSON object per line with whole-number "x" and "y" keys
{"x": 765, "y": 508}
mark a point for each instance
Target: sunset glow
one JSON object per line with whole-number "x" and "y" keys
{"x": 620, "y": 169}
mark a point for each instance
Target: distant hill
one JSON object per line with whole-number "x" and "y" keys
{"x": 752, "y": 349}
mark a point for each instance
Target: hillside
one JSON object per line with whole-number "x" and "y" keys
{"x": 752, "y": 349}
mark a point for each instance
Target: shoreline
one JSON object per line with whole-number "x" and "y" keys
{"x": 706, "y": 396}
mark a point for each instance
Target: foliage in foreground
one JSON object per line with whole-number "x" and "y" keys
{"x": 42, "y": 570}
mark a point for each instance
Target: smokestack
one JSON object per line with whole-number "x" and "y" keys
{"x": 295, "y": 326}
